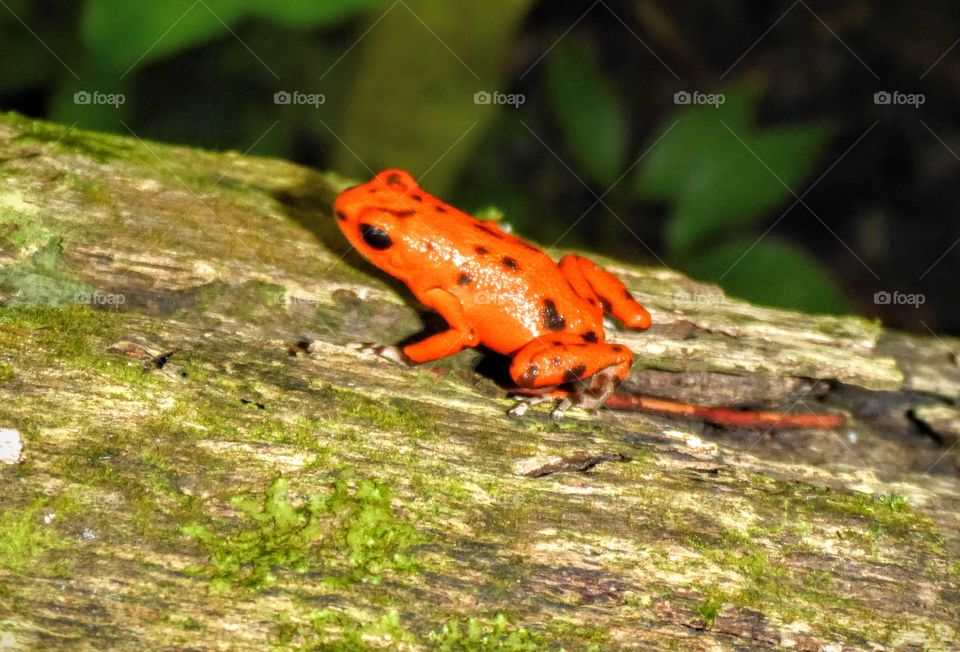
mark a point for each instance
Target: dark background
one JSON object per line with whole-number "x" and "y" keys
{"x": 800, "y": 190}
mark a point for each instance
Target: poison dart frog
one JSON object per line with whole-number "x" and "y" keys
{"x": 501, "y": 292}
{"x": 495, "y": 290}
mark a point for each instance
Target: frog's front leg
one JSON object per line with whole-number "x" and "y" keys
{"x": 590, "y": 370}
{"x": 603, "y": 291}
{"x": 459, "y": 336}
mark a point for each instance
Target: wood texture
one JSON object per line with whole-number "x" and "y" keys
{"x": 180, "y": 385}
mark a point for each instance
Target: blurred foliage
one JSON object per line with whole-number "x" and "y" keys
{"x": 771, "y": 270}
{"x": 399, "y": 81}
{"x": 721, "y": 172}
{"x": 155, "y": 30}
{"x": 592, "y": 117}
{"x": 411, "y": 103}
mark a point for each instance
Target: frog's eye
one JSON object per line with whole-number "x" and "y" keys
{"x": 375, "y": 236}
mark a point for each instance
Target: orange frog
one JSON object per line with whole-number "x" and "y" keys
{"x": 495, "y": 290}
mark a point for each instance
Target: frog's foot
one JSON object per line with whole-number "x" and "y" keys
{"x": 588, "y": 395}
{"x": 591, "y": 394}
{"x": 525, "y": 402}
{"x": 303, "y": 344}
{"x": 386, "y": 351}
{"x": 562, "y": 406}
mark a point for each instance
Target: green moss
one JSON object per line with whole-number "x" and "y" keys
{"x": 253, "y": 302}
{"x": 21, "y": 223}
{"x": 207, "y": 295}
{"x": 764, "y": 580}
{"x": 41, "y": 279}
{"x": 879, "y": 514}
{"x": 845, "y": 327}
{"x": 187, "y": 623}
{"x": 100, "y": 147}
{"x": 64, "y": 331}
{"x": 88, "y": 464}
{"x": 24, "y": 540}
{"x": 176, "y": 166}
{"x": 895, "y": 502}
{"x": 393, "y": 414}
{"x": 139, "y": 466}
{"x": 158, "y": 472}
{"x": 334, "y": 630}
{"x": 6, "y": 372}
{"x": 352, "y": 534}
{"x": 480, "y": 635}
{"x": 709, "y": 609}
{"x": 302, "y": 433}
{"x": 755, "y": 560}
{"x": 73, "y": 335}
{"x": 92, "y": 190}
{"x": 369, "y": 318}
{"x": 818, "y": 579}
{"x": 591, "y": 636}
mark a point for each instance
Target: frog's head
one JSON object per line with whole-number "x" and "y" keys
{"x": 372, "y": 217}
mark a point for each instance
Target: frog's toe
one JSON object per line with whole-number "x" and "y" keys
{"x": 386, "y": 351}
{"x": 561, "y": 407}
{"x": 518, "y": 411}
{"x": 524, "y": 403}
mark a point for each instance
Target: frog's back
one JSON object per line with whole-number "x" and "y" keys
{"x": 510, "y": 290}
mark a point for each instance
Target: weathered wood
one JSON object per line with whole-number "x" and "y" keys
{"x": 148, "y": 413}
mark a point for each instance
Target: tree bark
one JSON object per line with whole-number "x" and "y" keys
{"x": 157, "y": 304}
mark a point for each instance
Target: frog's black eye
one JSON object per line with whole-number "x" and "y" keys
{"x": 375, "y": 237}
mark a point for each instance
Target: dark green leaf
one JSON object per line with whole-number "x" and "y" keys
{"x": 771, "y": 272}
{"x": 301, "y": 14}
{"x": 721, "y": 172}
{"x": 416, "y": 75}
{"x": 152, "y": 30}
{"x": 590, "y": 113}
{"x": 120, "y": 34}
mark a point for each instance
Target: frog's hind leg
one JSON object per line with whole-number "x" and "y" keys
{"x": 551, "y": 360}
{"x": 603, "y": 291}
{"x": 588, "y": 394}
{"x": 567, "y": 368}
{"x": 591, "y": 394}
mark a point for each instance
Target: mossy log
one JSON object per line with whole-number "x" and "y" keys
{"x": 156, "y": 307}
